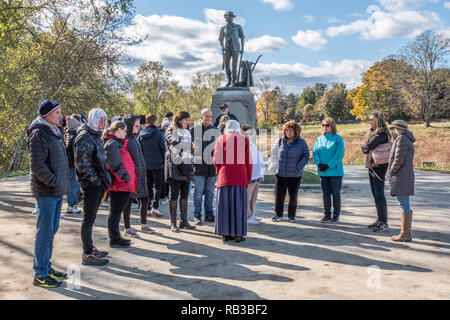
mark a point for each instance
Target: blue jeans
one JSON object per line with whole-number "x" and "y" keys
{"x": 331, "y": 186}
{"x": 48, "y": 211}
{"x": 404, "y": 203}
{"x": 206, "y": 186}
{"x": 377, "y": 187}
{"x": 73, "y": 194}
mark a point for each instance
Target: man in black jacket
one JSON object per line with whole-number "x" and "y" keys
{"x": 49, "y": 170}
{"x": 153, "y": 147}
{"x": 224, "y": 110}
{"x": 204, "y": 136}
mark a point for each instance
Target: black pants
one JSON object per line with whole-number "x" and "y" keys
{"x": 165, "y": 190}
{"x": 119, "y": 200}
{"x": 178, "y": 189}
{"x": 155, "y": 178}
{"x": 290, "y": 185}
{"x": 92, "y": 196}
{"x": 143, "y": 205}
{"x": 377, "y": 187}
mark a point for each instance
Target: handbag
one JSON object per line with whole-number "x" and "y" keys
{"x": 380, "y": 154}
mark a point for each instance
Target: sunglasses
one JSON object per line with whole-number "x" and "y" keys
{"x": 325, "y": 125}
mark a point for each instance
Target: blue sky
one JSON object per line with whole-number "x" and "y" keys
{"x": 302, "y": 41}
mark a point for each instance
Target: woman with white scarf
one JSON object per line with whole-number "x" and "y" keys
{"x": 178, "y": 168}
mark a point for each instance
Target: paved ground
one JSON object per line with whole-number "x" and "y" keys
{"x": 278, "y": 261}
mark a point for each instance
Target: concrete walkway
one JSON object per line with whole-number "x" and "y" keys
{"x": 307, "y": 260}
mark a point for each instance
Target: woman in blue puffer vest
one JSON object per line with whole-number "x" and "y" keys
{"x": 291, "y": 153}
{"x": 328, "y": 153}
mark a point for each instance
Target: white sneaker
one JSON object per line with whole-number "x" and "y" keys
{"x": 131, "y": 233}
{"x": 252, "y": 221}
{"x": 75, "y": 209}
{"x": 105, "y": 204}
{"x": 69, "y": 210}
{"x": 156, "y": 212}
{"x": 257, "y": 218}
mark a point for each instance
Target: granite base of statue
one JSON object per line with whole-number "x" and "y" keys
{"x": 240, "y": 101}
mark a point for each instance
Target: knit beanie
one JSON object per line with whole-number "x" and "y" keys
{"x": 94, "y": 117}
{"x": 47, "y": 107}
{"x": 72, "y": 123}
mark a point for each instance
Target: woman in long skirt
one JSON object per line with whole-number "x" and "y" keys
{"x": 232, "y": 159}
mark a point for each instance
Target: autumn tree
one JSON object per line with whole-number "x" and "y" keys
{"x": 426, "y": 54}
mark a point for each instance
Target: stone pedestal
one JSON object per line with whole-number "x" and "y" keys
{"x": 240, "y": 101}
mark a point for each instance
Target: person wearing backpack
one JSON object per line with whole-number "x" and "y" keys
{"x": 378, "y": 135}
{"x": 123, "y": 171}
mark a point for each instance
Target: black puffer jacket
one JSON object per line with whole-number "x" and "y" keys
{"x": 90, "y": 159}
{"x": 136, "y": 153}
{"x": 153, "y": 147}
{"x": 374, "y": 139}
{"x": 49, "y": 168}
{"x": 69, "y": 140}
{"x": 204, "y": 137}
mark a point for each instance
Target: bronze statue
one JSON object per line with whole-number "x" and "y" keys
{"x": 231, "y": 40}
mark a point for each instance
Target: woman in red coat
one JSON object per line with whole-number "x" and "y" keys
{"x": 232, "y": 159}
{"x": 123, "y": 171}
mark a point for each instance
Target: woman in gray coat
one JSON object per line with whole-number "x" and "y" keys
{"x": 401, "y": 174}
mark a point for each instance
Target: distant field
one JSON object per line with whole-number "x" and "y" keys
{"x": 432, "y": 145}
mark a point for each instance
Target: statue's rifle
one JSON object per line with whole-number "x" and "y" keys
{"x": 254, "y": 65}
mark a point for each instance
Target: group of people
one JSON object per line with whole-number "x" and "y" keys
{"x": 127, "y": 158}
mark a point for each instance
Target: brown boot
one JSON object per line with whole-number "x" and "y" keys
{"x": 405, "y": 233}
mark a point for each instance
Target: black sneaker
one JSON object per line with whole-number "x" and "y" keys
{"x": 93, "y": 260}
{"x": 292, "y": 220}
{"x": 98, "y": 253}
{"x": 47, "y": 282}
{"x": 326, "y": 219}
{"x": 120, "y": 244}
{"x": 56, "y": 275}
{"x": 210, "y": 218}
{"x": 197, "y": 221}
{"x": 381, "y": 227}
{"x": 334, "y": 219}
{"x": 373, "y": 225}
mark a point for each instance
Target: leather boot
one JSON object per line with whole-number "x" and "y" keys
{"x": 405, "y": 233}
{"x": 173, "y": 216}
{"x": 183, "y": 214}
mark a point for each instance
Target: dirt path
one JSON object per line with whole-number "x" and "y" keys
{"x": 278, "y": 261}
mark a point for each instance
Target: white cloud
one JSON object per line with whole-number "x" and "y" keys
{"x": 298, "y": 75}
{"x": 279, "y": 5}
{"x": 382, "y": 25}
{"x": 265, "y": 44}
{"x": 403, "y": 5}
{"x": 334, "y": 20}
{"x": 308, "y": 18}
{"x": 310, "y": 39}
{"x": 447, "y": 5}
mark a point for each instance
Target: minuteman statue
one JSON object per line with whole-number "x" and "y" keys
{"x": 231, "y": 40}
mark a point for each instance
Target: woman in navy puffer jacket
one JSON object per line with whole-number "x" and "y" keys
{"x": 291, "y": 153}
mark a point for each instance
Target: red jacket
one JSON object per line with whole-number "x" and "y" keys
{"x": 120, "y": 164}
{"x": 232, "y": 159}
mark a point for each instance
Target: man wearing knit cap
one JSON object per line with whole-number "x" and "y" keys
{"x": 49, "y": 171}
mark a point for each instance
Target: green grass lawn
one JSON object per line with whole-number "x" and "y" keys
{"x": 13, "y": 174}
{"x": 309, "y": 177}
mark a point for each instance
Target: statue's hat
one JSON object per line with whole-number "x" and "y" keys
{"x": 229, "y": 13}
